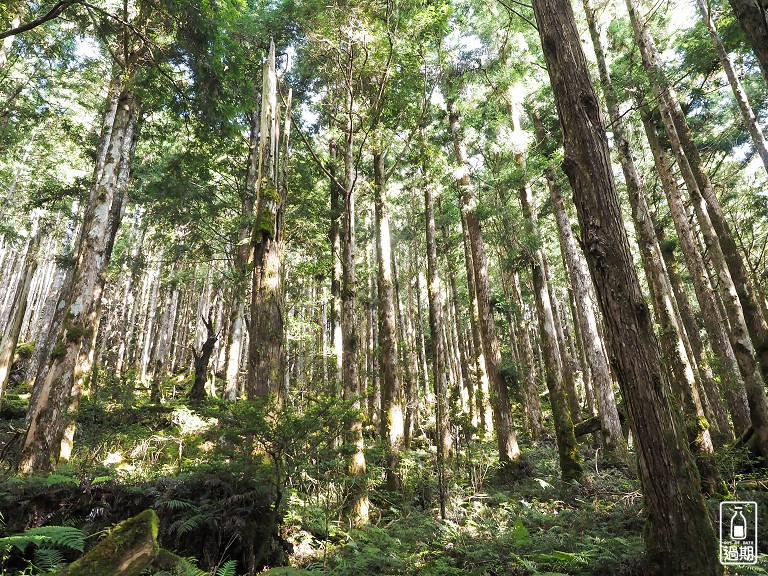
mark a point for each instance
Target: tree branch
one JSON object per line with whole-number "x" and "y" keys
{"x": 50, "y": 15}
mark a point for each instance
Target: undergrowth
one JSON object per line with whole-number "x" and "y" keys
{"x": 247, "y": 486}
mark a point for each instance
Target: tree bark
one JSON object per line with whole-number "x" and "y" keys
{"x": 266, "y": 366}
{"x": 753, "y": 16}
{"x": 391, "y": 402}
{"x": 679, "y": 537}
{"x": 11, "y": 332}
{"x": 68, "y": 363}
{"x": 587, "y": 318}
{"x": 506, "y": 439}
{"x": 745, "y": 318}
{"x": 435, "y": 298}
{"x": 568, "y": 450}
{"x": 482, "y": 395}
{"x": 730, "y": 375}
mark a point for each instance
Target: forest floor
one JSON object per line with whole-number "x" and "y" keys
{"x": 216, "y": 501}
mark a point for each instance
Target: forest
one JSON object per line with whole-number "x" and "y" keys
{"x": 413, "y": 287}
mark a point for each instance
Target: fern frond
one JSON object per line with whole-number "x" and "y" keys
{"x": 229, "y": 568}
{"x": 50, "y": 536}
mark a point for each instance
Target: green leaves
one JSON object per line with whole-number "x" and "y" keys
{"x": 46, "y": 536}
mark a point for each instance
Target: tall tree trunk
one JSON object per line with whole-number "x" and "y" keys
{"x": 568, "y": 450}
{"x": 587, "y": 318}
{"x": 267, "y": 355}
{"x": 357, "y": 498}
{"x": 482, "y": 386}
{"x": 753, "y": 16}
{"x": 747, "y": 113}
{"x": 674, "y": 344}
{"x": 391, "y": 402}
{"x": 679, "y": 537}
{"x": 715, "y": 324}
{"x": 506, "y": 439}
{"x": 68, "y": 362}
{"x": 745, "y": 318}
{"x": 337, "y": 194}
{"x": 10, "y": 334}
{"x": 435, "y": 297}
{"x": 243, "y": 258}
{"x": 408, "y": 351}
{"x": 527, "y": 362}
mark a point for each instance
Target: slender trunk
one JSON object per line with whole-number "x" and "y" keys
{"x": 337, "y": 194}
{"x": 674, "y": 342}
{"x": 713, "y": 404}
{"x": 391, "y": 403}
{"x": 243, "y": 258}
{"x": 506, "y": 439}
{"x": 460, "y": 342}
{"x": 435, "y": 297}
{"x": 357, "y": 498}
{"x": 587, "y": 318}
{"x": 679, "y": 536}
{"x": 10, "y": 335}
{"x": 745, "y": 318}
{"x": 527, "y": 362}
{"x": 714, "y": 322}
{"x": 408, "y": 350}
{"x": 747, "y": 113}
{"x": 568, "y": 450}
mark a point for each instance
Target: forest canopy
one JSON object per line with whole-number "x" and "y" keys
{"x": 388, "y": 287}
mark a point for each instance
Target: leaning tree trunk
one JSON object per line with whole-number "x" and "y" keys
{"x": 753, "y": 16}
{"x": 10, "y": 335}
{"x": 674, "y": 343}
{"x": 68, "y": 362}
{"x": 679, "y": 537}
{"x": 506, "y": 439}
{"x": 391, "y": 403}
{"x": 747, "y": 113}
{"x": 730, "y": 375}
{"x": 744, "y": 316}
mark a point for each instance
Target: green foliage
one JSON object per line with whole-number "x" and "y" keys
{"x": 56, "y": 536}
{"x": 229, "y": 568}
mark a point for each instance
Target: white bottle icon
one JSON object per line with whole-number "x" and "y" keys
{"x": 738, "y": 525}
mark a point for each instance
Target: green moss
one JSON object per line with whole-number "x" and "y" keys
{"x": 58, "y": 351}
{"x": 75, "y": 333}
{"x": 123, "y": 552}
{"x": 25, "y": 350}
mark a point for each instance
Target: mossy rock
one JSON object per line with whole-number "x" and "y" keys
{"x": 126, "y": 551}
